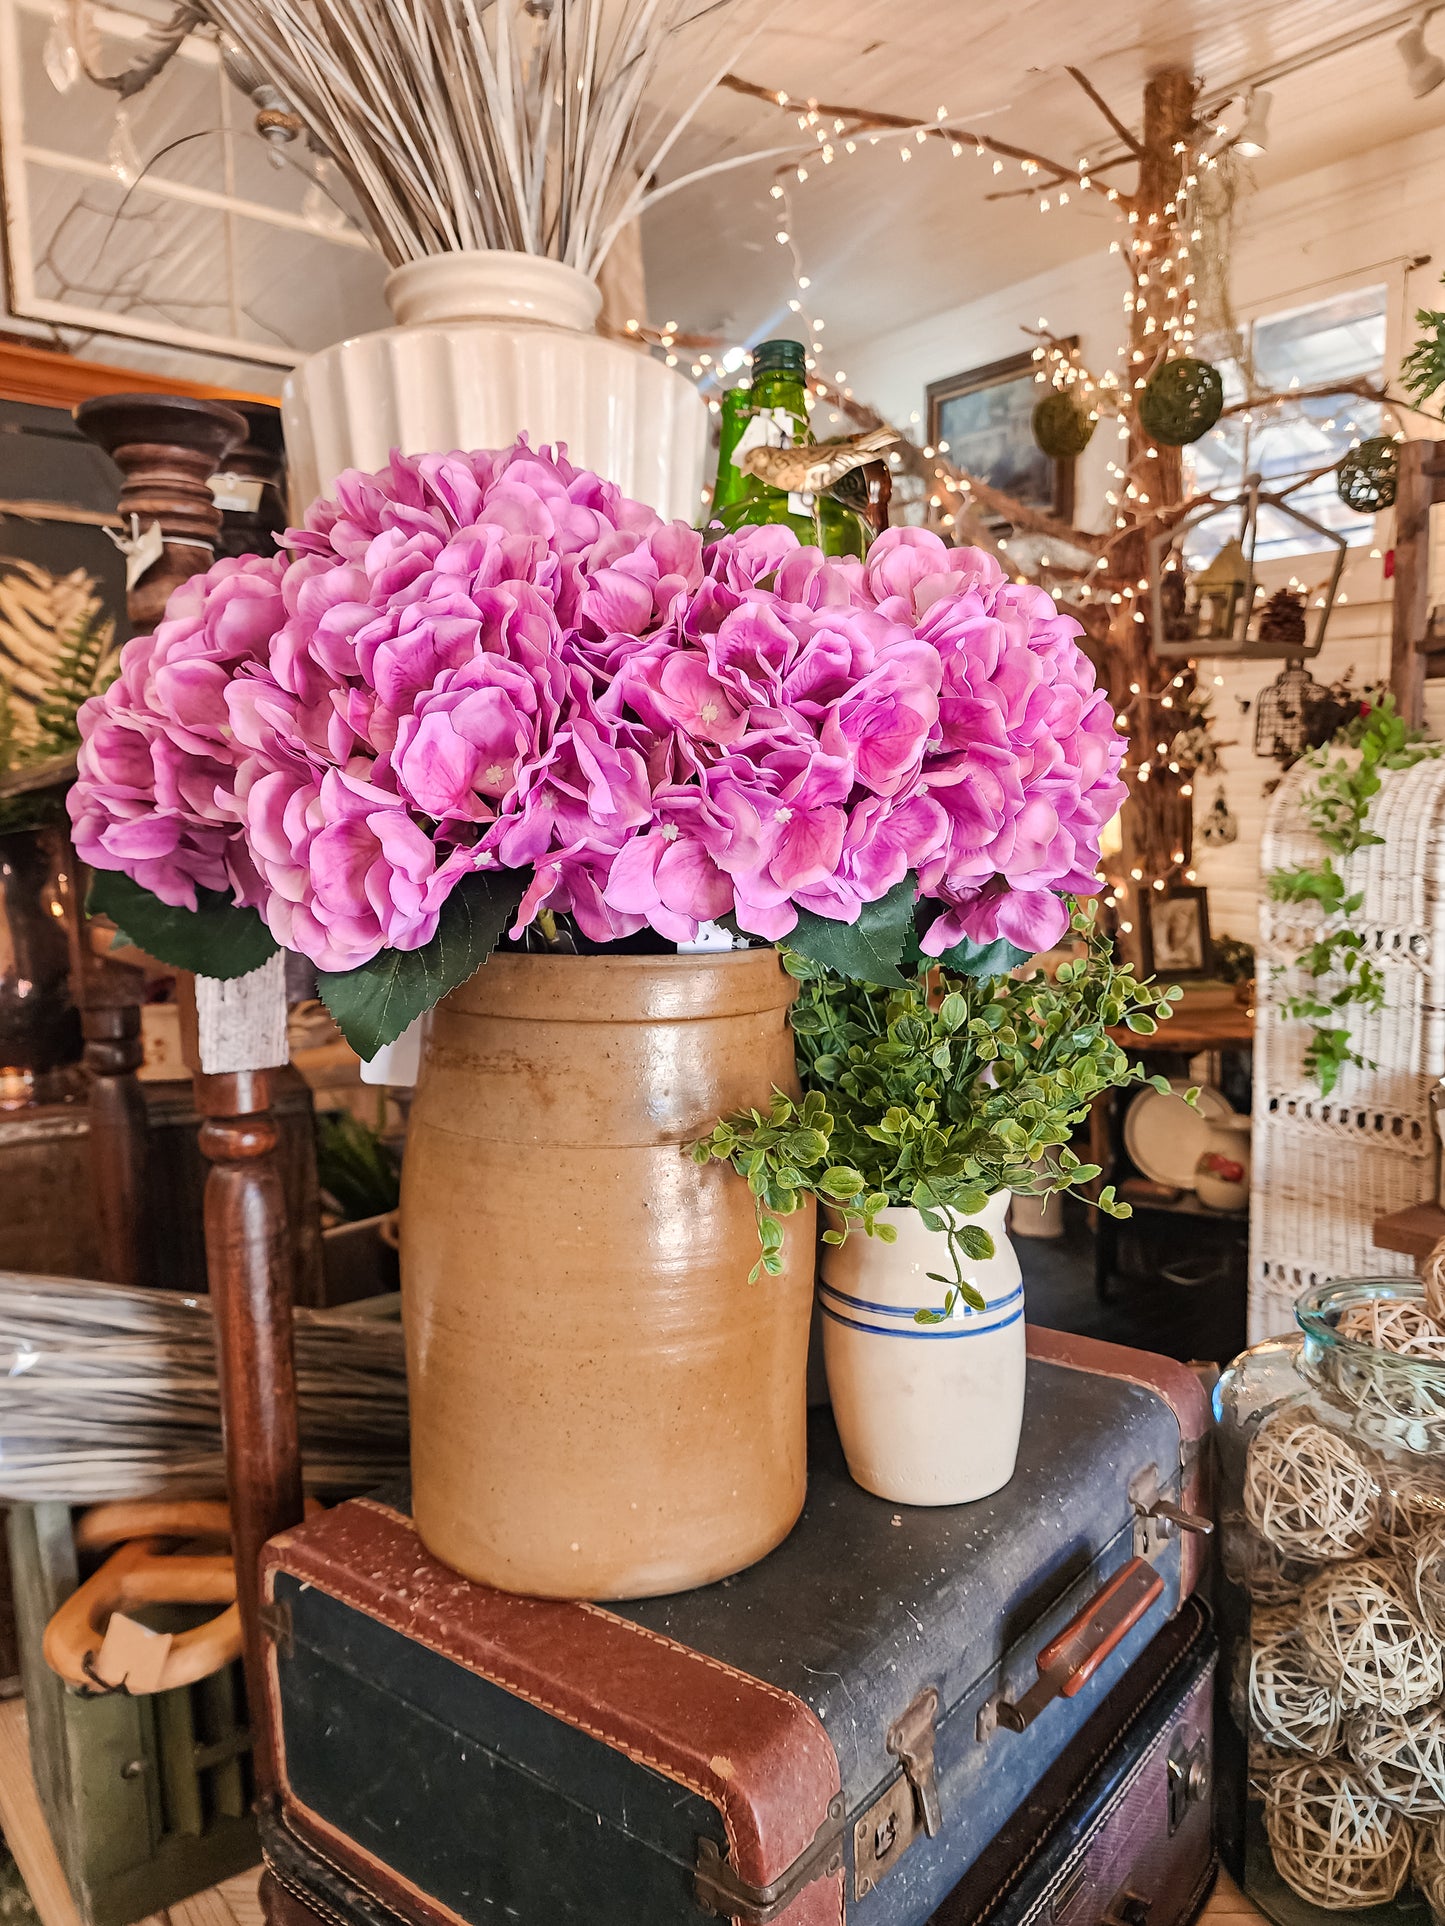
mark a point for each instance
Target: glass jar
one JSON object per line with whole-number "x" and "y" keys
{"x": 1332, "y": 1604}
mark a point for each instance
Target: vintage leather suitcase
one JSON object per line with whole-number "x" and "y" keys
{"x": 1119, "y": 1829}
{"x": 837, "y": 1733}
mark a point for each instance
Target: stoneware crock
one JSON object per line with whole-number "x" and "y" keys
{"x": 929, "y": 1414}
{"x": 602, "y": 1405}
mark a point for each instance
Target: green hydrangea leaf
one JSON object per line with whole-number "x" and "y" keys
{"x": 867, "y": 951}
{"x": 374, "y": 1004}
{"x": 217, "y": 938}
{"x": 983, "y": 959}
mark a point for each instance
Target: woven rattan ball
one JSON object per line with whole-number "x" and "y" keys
{"x": 1402, "y": 1757}
{"x": 1181, "y": 401}
{"x": 1368, "y": 476}
{"x": 1336, "y": 1843}
{"x": 1429, "y": 1867}
{"x": 1411, "y": 1501}
{"x": 1399, "y": 1324}
{"x": 1290, "y": 1706}
{"x": 1260, "y": 1568}
{"x": 1432, "y": 1279}
{"x": 1061, "y": 425}
{"x": 1310, "y": 1490}
{"x": 1362, "y": 1630}
{"x": 1426, "y": 1568}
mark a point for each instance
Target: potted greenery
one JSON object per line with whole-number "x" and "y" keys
{"x": 924, "y": 1107}
{"x": 490, "y": 703}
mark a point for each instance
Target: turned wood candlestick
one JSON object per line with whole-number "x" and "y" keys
{"x": 166, "y": 447}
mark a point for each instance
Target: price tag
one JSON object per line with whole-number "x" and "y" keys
{"x": 236, "y": 494}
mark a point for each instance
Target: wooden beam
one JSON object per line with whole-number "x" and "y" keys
{"x": 1410, "y": 612}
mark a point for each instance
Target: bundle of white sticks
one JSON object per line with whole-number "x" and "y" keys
{"x": 537, "y": 125}
{"x": 108, "y": 1392}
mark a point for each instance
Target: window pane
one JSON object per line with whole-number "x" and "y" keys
{"x": 1323, "y": 342}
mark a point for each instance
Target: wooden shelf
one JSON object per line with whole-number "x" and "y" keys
{"x": 1416, "y": 1230}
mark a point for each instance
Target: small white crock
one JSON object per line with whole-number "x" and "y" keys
{"x": 929, "y": 1414}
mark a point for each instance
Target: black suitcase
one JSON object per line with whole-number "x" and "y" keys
{"x": 839, "y": 1731}
{"x": 1119, "y": 1830}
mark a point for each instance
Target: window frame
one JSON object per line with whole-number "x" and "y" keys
{"x": 17, "y": 155}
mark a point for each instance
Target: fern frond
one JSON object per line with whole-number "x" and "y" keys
{"x": 81, "y": 670}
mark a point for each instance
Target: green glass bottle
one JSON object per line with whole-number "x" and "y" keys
{"x": 780, "y": 383}
{"x": 737, "y": 408}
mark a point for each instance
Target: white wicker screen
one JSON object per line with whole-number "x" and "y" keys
{"x": 1326, "y": 1167}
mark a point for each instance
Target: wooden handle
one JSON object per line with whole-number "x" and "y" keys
{"x": 1110, "y": 1615}
{"x": 140, "y": 1573}
{"x": 106, "y": 1525}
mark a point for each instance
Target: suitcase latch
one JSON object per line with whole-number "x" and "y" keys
{"x": 906, "y": 1807}
{"x": 910, "y": 1740}
{"x": 1157, "y": 1519}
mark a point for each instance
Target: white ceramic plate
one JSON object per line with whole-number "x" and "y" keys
{"x": 1165, "y": 1136}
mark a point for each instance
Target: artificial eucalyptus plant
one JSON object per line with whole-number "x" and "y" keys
{"x": 937, "y": 1095}
{"x": 1342, "y": 973}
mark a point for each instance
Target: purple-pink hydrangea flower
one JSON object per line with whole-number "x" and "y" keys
{"x": 497, "y": 661}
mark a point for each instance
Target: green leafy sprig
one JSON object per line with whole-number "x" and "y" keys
{"x": 1342, "y": 974}
{"x": 1422, "y": 371}
{"x": 937, "y": 1095}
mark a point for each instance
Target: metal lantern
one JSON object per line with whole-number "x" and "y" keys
{"x": 1217, "y": 592}
{"x": 1222, "y": 609}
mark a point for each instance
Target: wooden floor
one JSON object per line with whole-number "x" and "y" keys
{"x": 235, "y": 1903}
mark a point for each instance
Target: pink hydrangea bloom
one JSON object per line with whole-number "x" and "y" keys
{"x": 496, "y": 661}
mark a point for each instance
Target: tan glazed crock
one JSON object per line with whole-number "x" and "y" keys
{"x": 602, "y": 1405}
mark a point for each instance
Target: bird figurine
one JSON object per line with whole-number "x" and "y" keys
{"x": 813, "y": 467}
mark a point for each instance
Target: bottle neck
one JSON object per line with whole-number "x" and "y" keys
{"x": 779, "y": 389}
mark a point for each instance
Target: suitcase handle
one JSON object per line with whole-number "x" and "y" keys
{"x": 1070, "y": 1660}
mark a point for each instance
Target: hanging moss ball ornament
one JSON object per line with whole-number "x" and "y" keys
{"x": 1061, "y": 425}
{"x": 1181, "y": 401}
{"x": 1367, "y": 477}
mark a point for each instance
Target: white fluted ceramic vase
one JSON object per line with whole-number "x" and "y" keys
{"x": 929, "y": 1414}
{"x": 488, "y": 346}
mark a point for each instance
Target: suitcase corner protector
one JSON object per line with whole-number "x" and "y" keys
{"x": 721, "y": 1894}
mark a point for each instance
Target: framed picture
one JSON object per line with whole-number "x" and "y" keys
{"x": 986, "y": 417}
{"x": 1176, "y": 933}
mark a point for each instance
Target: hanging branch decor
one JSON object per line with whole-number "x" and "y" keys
{"x": 1181, "y": 402}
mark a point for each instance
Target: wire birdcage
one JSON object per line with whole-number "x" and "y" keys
{"x": 1222, "y": 610}
{"x": 1293, "y": 715}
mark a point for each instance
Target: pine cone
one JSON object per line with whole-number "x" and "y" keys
{"x": 1283, "y": 622}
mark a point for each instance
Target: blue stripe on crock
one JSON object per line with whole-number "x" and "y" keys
{"x": 911, "y": 1312}
{"x": 923, "y": 1330}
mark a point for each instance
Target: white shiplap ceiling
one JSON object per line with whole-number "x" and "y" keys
{"x": 887, "y": 243}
